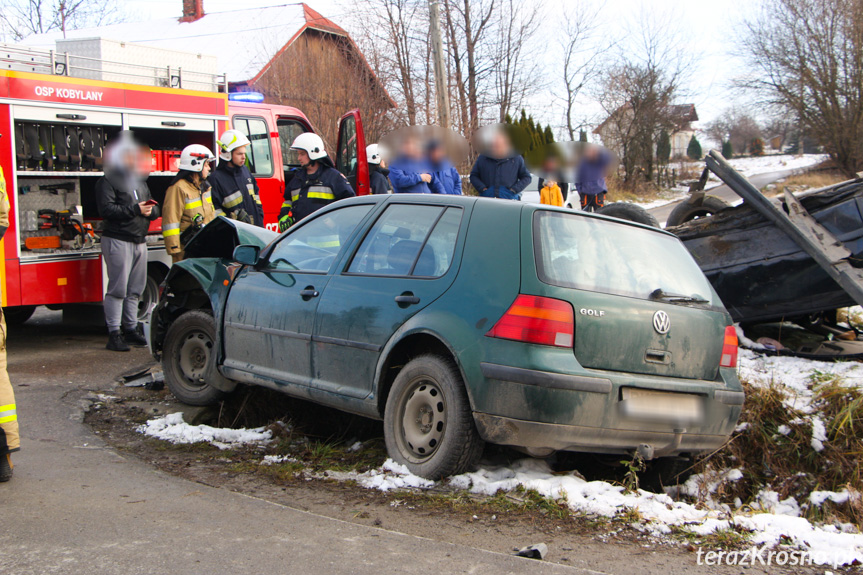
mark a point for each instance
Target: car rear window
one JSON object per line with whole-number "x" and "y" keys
{"x": 597, "y": 255}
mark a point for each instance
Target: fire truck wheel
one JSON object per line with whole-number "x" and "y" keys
{"x": 16, "y": 315}
{"x": 150, "y": 296}
{"x": 188, "y": 356}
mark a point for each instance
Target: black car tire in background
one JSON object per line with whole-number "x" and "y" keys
{"x": 18, "y": 314}
{"x": 188, "y": 354}
{"x": 685, "y": 211}
{"x": 629, "y": 212}
{"x": 428, "y": 423}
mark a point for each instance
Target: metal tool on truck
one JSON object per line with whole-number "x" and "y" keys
{"x": 56, "y": 119}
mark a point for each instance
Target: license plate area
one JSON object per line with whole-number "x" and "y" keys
{"x": 661, "y": 406}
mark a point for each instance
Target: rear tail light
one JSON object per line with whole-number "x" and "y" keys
{"x": 534, "y": 319}
{"x": 729, "y": 348}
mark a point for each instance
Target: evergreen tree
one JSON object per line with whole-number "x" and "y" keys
{"x": 549, "y": 135}
{"x": 727, "y": 150}
{"x": 694, "y": 149}
{"x": 663, "y": 148}
{"x": 582, "y": 136}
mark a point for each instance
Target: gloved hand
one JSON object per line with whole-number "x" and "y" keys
{"x": 286, "y": 221}
{"x": 243, "y": 216}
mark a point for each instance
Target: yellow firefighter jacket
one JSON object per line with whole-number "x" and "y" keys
{"x": 183, "y": 203}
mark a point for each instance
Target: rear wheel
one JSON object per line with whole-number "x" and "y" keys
{"x": 629, "y": 212}
{"x": 188, "y": 356}
{"x": 16, "y": 315}
{"x": 684, "y": 211}
{"x": 428, "y": 423}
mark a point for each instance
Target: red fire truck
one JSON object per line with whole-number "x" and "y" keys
{"x": 53, "y": 129}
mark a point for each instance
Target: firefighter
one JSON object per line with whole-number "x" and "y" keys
{"x": 315, "y": 184}
{"x": 188, "y": 202}
{"x": 9, "y": 441}
{"x": 235, "y": 191}
{"x": 378, "y": 173}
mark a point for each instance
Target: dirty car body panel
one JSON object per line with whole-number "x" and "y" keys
{"x": 337, "y": 305}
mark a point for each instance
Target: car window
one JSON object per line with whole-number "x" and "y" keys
{"x": 259, "y": 154}
{"x": 409, "y": 240}
{"x": 288, "y": 131}
{"x": 313, "y": 247}
{"x": 436, "y": 257}
{"x": 601, "y": 256}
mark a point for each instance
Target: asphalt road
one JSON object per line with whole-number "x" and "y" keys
{"x": 77, "y": 506}
{"x": 725, "y": 193}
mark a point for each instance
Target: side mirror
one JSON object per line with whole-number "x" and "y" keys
{"x": 247, "y": 255}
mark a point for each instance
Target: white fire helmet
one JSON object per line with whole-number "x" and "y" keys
{"x": 312, "y": 144}
{"x": 374, "y": 153}
{"x": 193, "y": 157}
{"x": 230, "y": 141}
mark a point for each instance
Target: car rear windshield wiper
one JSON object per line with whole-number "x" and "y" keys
{"x": 675, "y": 298}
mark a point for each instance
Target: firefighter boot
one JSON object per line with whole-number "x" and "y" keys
{"x": 135, "y": 337}
{"x": 5, "y": 468}
{"x": 115, "y": 342}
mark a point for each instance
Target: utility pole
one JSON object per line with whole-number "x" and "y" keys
{"x": 441, "y": 89}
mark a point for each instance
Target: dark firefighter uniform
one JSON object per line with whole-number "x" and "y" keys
{"x": 9, "y": 440}
{"x": 184, "y": 205}
{"x": 307, "y": 193}
{"x": 236, "y": 193}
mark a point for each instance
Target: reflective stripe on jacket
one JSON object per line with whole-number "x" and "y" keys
{"x": 307, "y": 193}
{"x": 183, "y": 203}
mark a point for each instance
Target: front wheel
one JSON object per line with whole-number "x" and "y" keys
{"x": 188, "y": 356}
{"x": 428, "y": 423}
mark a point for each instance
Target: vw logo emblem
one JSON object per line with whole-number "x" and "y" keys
{"x": 661, "y": 322}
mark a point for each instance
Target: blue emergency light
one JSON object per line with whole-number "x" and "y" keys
{"x": 253, "y": 97}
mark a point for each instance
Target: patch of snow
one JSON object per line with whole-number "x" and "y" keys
{"x": 172, "y": 428}
{"x": 276, "y": 459}
{"x": 768, "y": 500}
{"x": 783, "y": 429}
{"x": 355, "y": 447}
{"x": 741, "y": 427}
{"x": 819, "y": 434}
{"x": 392, "y": 475}
{"x": 818, "y": 498}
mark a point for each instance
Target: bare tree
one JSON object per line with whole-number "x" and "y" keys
{"x": 23, "y": 18}
{"x": 638, "y": 92}
{"x": 736, "y": 126}
{"x": 581, "y": 57}
{"x": 515, "y": 68}
{"x": 807, "y": 56}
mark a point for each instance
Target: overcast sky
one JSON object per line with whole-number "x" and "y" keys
{"x": 709, "y": 29}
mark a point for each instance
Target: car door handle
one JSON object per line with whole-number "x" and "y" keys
{"x": 407, "y": 298}
{"x": 309, "y": 293}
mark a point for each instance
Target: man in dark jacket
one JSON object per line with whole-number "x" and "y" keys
{"x": 501, "y": 173}
{"x": 124, "y": 202}
{"x": 590, "y": 178}
{"x": 378, "y": 175}
{"x": 315, "y": 184}
{"x": 235, "y": 190}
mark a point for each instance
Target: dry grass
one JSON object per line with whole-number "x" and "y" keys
{"x": 788, "y": 463}
{"x": 806, "y": 181}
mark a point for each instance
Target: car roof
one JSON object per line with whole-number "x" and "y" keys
{"x": 452, "y": 200}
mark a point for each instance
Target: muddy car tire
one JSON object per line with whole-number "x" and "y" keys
{"x": 428, "y": 423}
{"x": 629, "y": 212}
{"x": 187, "y": 357}
{"x": 684, "y": 211}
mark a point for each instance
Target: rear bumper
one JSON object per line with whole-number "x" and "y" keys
{"x": 551, "y": 436}
{"x": 589, "y": 412}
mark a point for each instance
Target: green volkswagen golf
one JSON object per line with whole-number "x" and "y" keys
{"x": 460, "y": 321}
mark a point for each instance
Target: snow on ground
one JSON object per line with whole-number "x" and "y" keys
{"x": 172, "y": 428}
